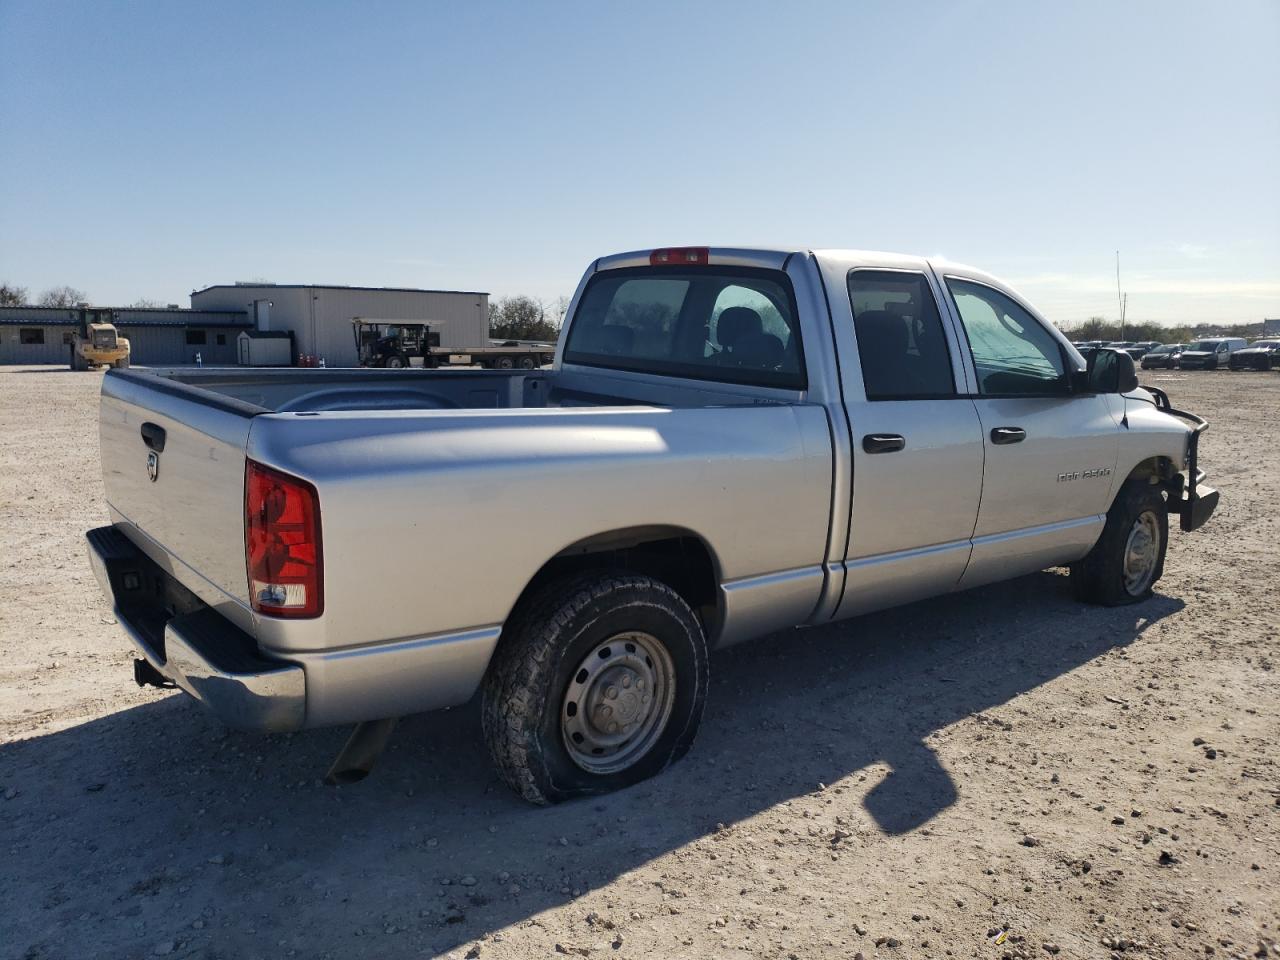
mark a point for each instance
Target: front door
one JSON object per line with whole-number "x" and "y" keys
{"x": 917, "y": 442}
{"x": 1050, "y": 454}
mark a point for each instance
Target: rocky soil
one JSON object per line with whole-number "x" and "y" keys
{"x": 1002, "y": 773}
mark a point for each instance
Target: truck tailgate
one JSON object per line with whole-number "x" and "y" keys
{"x": 184, "y": 508}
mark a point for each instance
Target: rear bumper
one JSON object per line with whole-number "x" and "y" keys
{"x": 194, "y": 646}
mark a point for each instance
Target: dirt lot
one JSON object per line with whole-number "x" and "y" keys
{"x": 908, "y": 784}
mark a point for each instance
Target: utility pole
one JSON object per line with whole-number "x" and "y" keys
{"x": 1123, "y": 298}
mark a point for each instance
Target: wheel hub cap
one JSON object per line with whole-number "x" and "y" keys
{"x": 1140, "y": 553}
{"x": 618, "y": 702}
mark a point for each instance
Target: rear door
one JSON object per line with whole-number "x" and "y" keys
{"x": 917, "y": 443}
{"x": 1050, "y": 455}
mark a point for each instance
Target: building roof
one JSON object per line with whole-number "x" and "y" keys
{"x": 127, "y": 317}
{"x": 267, "y": 334}
{"x": 329, "y": 286}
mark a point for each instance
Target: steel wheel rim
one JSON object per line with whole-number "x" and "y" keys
{"x": 618, "y": 702}
{"x": 1140, "y": 552}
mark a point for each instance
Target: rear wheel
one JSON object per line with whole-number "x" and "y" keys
{"x": 598, "y": 682}
{"x": 1128, "y": 558}
{"x": 527, "y": 363}
{"x": 504, "y": 363}
{"x": 122, "y": 363}
{"x": 396, "y": 362}
{"x": 78, "y": 362}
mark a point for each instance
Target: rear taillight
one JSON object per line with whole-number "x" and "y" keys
{"x": 675, "y": 256}
{"x": 282, "y": 543}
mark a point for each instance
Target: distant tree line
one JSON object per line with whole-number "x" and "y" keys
{"x": 1100, "y": 328}
{"x": 12, "y": 295}
{"x": 526, "y": 318}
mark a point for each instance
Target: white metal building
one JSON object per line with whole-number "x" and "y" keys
{"x": 320, "y": 316}
{"x": 156, "y": 336}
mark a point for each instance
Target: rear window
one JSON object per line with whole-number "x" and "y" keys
{"x": 729, "y": 324}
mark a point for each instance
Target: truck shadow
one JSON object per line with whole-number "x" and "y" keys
{"x": 156, "y": 825}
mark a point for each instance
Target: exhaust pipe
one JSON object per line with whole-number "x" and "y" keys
{"x": 355, "y": 760}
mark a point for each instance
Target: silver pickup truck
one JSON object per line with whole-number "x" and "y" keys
{"x": 730, "y": 442}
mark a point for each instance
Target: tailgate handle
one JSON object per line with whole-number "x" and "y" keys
{"x": 153, "y": 436}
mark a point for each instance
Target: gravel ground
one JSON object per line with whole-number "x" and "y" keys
{"x": 1000, "y": 773}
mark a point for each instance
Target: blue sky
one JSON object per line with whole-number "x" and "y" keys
{"x": 152, "y": 148}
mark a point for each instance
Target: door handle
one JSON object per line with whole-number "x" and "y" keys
{"x": 1003, "y": 435}
{"x": 153, "y": 436}
{"x": 883, "y": 442}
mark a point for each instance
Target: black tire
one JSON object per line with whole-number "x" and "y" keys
{"x": 504, "y": 363}
{"x": 397, "y": 362}
{"x": 526, "y": 363}
{"x": 543, "y": 648}
{"x": 1101, "y": 576}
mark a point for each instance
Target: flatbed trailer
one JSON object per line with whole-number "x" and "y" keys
{"x": 408, "y": 343}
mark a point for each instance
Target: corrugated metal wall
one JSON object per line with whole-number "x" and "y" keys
{"x": 53, "y": 350}
{"x": 320, "y": 317}
{"x": 150, "y": 346}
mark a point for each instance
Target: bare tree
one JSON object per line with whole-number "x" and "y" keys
{"x": 146, "y": 303}
{"x": 521, "y": 318}
{"x": 12, "y": 296}
{"x": 63, "y": 296}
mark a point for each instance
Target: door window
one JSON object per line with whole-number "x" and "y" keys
{"x": 901, "y": 345}
{"x": 1012, "y": 353}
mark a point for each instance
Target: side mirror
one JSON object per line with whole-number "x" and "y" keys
{"x": 1110, "y": 371}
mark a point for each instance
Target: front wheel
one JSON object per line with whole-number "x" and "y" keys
{"x": 598, "y": 682}
{"x": 1128, "y": 558}
{"x": 396, "y": 362}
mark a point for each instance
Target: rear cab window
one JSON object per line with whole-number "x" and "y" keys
{"x": 726, "y": 324}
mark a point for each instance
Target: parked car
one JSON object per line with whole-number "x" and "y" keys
{"x": 730, "y": 442}
{"x": 1163, "y": 357}
{"x": 1210, "y": 354}
{"x": 1142, "y": 348}
{"x": 1259, "y": 355}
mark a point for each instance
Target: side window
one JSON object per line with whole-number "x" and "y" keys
{"x": 1012, "y": 353}
{"x": 901, "y": 346}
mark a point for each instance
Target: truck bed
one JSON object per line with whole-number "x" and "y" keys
{"x": 309, "y": 390}
{"x": 444, "y": 471}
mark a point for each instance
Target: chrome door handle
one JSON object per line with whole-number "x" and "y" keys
{"x": 883, "y": 442}
{"x": 1003, "y": 435}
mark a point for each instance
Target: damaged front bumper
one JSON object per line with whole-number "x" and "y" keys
{"x": 1192, "y": 500}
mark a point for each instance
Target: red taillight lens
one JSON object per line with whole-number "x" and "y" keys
{"x": 680, "y": 256}
{"x": 282, "y": 543}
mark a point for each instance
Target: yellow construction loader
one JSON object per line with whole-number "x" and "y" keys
{"x": 96, "y": 342}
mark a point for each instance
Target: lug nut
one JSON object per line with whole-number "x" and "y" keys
{"x": 612, "y": 693}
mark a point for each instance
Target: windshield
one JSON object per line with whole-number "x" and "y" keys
{"x": 731, "y": 324}
{"x": 1167, "y": 348}
{"x": 1206, "y": 345}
